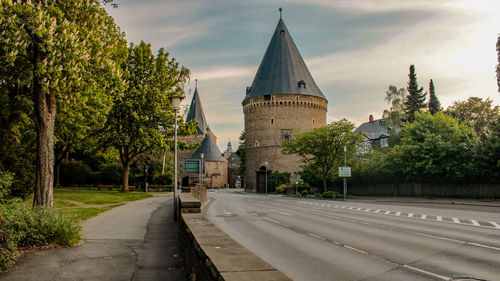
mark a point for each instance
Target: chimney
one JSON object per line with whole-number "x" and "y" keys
{"x": 370, "y": 118}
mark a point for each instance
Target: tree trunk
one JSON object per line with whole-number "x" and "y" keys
{"x": 126, "y": 168}
{"x": 45, "y": 113}
{"x": 324, "y": 183}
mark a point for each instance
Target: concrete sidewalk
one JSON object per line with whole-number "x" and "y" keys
{"x": 136, "y": 241}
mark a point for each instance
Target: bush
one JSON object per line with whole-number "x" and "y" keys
{"x": 6, "y": 180}
{"x": 276, "y": 179}
{"x": 22, "y": 226}
{"x": 75, "y": 173}
{"x": 110, "y": 173}
{"x": 331, "y": 194}
{"x": 318, "y": 195}
{"x": 304, "y": 193}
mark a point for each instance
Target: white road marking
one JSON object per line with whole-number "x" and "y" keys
{"x": 427, "y": 272}
{"x": 439, "y": 218}
{"x": 336, "y": 206}
{"x": 350, "y": 208}
{"x": 322, "y": 205}
{"x": 410, "y": 215}
{"x": 358, "y": 209}
{"x": 328, "y": 205}
{"x": 343, "y": 207}
{"x": 474, "y": 222}
{"x": 355, "y": 249}
{"x": 367, "y": 210}
{"x": 387, "y": 212}
{"x": 484, "y": 246}
{"x": 377, "y": 211}
{"x": 455, "y": 220}
{"x": 398, "y": 213}
{"x": 423, "y": 217}
{"x": 276, "y": 222}
{"x": 316, "y": 236}
{"x": 495, "y": 224}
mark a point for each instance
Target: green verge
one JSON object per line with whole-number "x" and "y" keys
{"x": 81, "y": 214}
{"x": 99, "y": 197}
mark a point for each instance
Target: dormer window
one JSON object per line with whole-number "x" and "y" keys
{"x": 302, "y": 84}
{"x": 282, "y": 32}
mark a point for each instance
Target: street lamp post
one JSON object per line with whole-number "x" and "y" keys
{"x": 345, "y": 179}
{"x": 266, "y": 176}
{"x": 202, "y": 155}
{"x": 176, "y": 100}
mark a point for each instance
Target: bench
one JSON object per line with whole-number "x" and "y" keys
{"x": 111, "y": 186}
{"x": 104, "y": 186}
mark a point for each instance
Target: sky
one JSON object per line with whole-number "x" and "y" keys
{"x": 354, "y": 49}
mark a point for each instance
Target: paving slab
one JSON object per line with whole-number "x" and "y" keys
{"x": 135, "y": 241}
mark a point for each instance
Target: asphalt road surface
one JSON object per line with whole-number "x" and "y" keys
{"x": 310, "y": 239}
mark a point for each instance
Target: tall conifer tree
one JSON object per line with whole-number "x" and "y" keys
{"x": 434, "y": 104}
{"x": 415, "y": 100}
{"x": 498, "y": 66}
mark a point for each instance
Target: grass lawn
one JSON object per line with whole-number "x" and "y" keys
{"x": 89, "y": 203}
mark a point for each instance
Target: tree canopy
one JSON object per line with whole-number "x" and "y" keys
{"x": 68, "y": 50}
{"x": 323, "y": 148}
{"x": 436, "y": 147}
{"x": 394, "y": 97}
{"x": 434, "y": 104}
{"x": 140, "y": 119}
{"x": 479, "y": 113}
{"x": 415, "y": 100}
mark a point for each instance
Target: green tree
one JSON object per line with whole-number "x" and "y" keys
{"x": 481, "y": 114}
{"x": 394, "y": 115}
{"x": 434, "y": 104}
{"x": 142, "y": 119}
{"x": 323, "y": 148}
{"x": 488, "y": 160}
{"x": 415, "y": 100}
{"x": 241, "y": 153}
{"x": 436, "y": 148}
{"x": 498, "y": 66}
{"x": 65, "y": 46}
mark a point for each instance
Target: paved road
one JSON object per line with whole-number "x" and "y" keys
{"x": 134, "y": 242}
{"x": 334, "y": 240}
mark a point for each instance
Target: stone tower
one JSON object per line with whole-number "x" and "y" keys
{"x": 282, "y": 101}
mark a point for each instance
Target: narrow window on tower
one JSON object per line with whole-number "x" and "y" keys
{"x": 313, "y": 121}
{"x": 272, "y": 98}
{"x": 272, "y": 120}
{"x": 297, "y": 98}
{"x": 256, "y": 143}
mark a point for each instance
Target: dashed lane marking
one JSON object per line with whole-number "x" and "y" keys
{"x": 471, "y": 222}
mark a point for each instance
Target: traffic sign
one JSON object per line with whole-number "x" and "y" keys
{"x": 344, "y": 172}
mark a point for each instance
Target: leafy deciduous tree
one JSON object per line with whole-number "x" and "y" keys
{"x": 436, "y": 148}
{"x": 139, "y": 120}
{"x": 434, "y": 104}
{"x": 395, "y": 98}
{"x": 415, "y": 100}
{"x": 323, "y": 148}
{"x": 481, "y": 114}
{"x": 61, "y": 44}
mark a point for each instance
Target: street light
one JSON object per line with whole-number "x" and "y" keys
{"x": 176, "y": 101}
{"x": 266, "y": 176}
{"x": 345, "y": 179}
{"x": 201, "y": 167}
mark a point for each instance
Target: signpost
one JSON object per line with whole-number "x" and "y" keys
{"x": 192, "y": 166}
{"x": 345, "y": 172}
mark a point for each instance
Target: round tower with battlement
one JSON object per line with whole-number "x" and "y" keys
{"x": 283, "y": 100}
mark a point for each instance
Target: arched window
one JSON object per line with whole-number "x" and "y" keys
{"x": 256, "y": 143}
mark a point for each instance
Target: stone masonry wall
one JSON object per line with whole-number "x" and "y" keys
{"x": 268, "y": 122}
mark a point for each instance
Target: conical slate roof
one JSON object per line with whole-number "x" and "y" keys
{"x": 282, "y": 68}
{"x": 209, "y": 149}
{"x": 196, "y": 113}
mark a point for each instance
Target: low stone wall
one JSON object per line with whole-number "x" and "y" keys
{"x": 418, "y": 189}
{"x": 200, "y": 192}
{"x": 209, "y": 254}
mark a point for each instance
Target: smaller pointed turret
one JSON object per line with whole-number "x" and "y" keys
{"x": 196, "y": 112}
{"x": 209, "y": 149}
